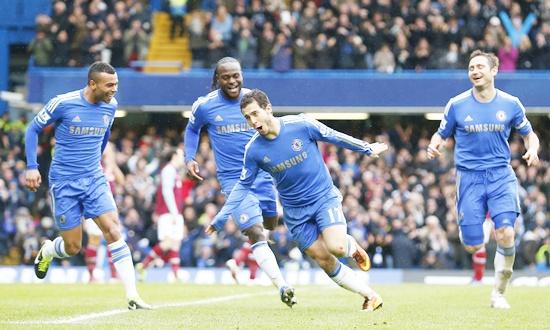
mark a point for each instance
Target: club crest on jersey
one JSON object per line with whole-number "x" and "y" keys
{"x": 62, "y": 219}
{"x": 297, "y": 145}
{"x": 243, "y": 218}
{"x": 106, "y": 120}
{"x": 501, "y": 115}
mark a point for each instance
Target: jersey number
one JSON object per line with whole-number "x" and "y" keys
{"x": 336, "y": 215}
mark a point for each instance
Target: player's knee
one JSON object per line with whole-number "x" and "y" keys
{"x": 505, "y": 236}
{"x": 338, "y": 250}
{"x": 271, "y": 222}
{"x": 473, "y": 248}
{"x": 112, "y": 234}
{"x": 255, "y": 233}
{"x": 72, "y": 248}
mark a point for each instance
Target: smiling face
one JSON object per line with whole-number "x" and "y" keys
{"x": 230, "y": 79}
{"x": 259, "y": 118}
{"x": 480, "y": 72}
{"x": 104, "y": 86}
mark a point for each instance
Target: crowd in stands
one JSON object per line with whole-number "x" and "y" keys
{"x": 80, "y": 32}
{"x": 382, "y": 35}
{"x": 400, "y": 207}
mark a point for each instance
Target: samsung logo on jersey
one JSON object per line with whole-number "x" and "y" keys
{"x": 288, "y": 163}
{"x": 477, "y": 128}
{"x": 232, "y": 128}
{"x": 77, "y": 130}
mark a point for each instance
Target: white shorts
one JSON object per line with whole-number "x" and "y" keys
{"x": 171, "y": 227}
{"x": 92, "y": 228}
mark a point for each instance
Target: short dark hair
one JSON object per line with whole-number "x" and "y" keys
{"x": 492, "y": 58}
{"x": 169, "y": 154}
{"x": 98, "y": 67}
{"x": 255, "y": 95}
{"x": 224, "y": 60}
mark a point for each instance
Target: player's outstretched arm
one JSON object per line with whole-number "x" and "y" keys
{"x": 532, "y": 145}
{"x": 433, "y": 147}
{"x": 377, "y": 148}
{"x": 32, "y": 175}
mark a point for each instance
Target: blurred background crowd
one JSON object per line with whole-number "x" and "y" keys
{"x": 400, "y": 207}
{"x": 382, "y": 35}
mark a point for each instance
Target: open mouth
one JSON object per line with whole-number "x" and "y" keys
{"x": 233, "y": 90}
{"x": 259, "y": 128}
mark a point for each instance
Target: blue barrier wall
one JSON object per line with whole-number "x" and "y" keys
{"x": 298, "y": 89}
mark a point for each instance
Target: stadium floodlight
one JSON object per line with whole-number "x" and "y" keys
{"x": 11, "y": 96}
{"x": 17, "y": 100}
{"x": 120, "y": 113}
{"x": 338, "y": 115}
{"x": 434, "y": 115}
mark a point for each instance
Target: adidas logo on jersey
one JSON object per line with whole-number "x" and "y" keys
{"x": 218, "y": 118}
{"x": 266, "y": 159}
{"x": 76, "y": 119}
{"x": 468, "y": 118}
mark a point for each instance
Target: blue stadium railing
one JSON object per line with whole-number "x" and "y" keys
{"x": 348, "y": 90}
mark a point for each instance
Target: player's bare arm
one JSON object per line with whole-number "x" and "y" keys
{"x": 33, "y": 179}
{"x": 377, "y": 148}
{"x": 532, "y": 145}
{"x": 193, "y": 170}
{"x": 433, "y": 147}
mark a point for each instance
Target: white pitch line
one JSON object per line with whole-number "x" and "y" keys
{"x": 91, "y": 316}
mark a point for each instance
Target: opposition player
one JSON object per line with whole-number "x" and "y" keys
{"x": 169, "y": 208}
{"x": 78, "y": 187}
{"x": 220, "y": 114}
{"x": 287, "y": 149}
{"x": 242, "y": 256}
{"x": 479, "y": 258}
{"x": 114, "y": 176}
{"x": 480, "y": 120}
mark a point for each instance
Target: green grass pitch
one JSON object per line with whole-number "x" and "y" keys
{"x": 179, "y": 306}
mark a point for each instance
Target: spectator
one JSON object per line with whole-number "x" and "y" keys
{"x": 41, "y": 49}
{"x": 384, "y": 60}
{"x": 178, "y": 9}
{"x": 135, "y": 42}
{"x": 508, "y": 55}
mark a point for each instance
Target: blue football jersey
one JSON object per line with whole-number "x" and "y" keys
{"x": 481, "y": 130}
{"x": 293, "y": 159}
{"x": 80, "y": 130}
{"x": 228, "y": 132}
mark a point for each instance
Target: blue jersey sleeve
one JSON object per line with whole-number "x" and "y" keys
{"x": 193, "y": 130}
{"x": 320, "y": 132}
{"x": 240, "y": 190}
{"x": 448, "y": 123}
{"x": 105, "y": 140}
{"x": 44, "y": 118}
{"x": 520, "y": 121}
